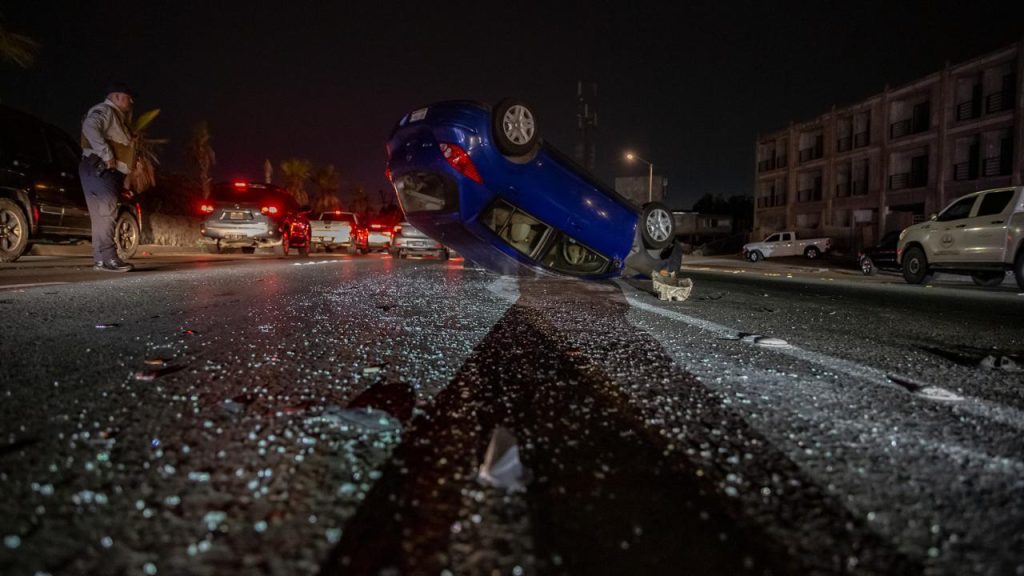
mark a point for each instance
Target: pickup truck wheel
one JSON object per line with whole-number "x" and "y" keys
{"x": 812, "y": 252}
{"x": 755, "y": 256}
{"x": 515, "y": 129}
{"x": 988, "y": 279}
{"x": 656, "y": 225}
{"x": 13, "y": 231}
{"x": 1018, "y": 269}
{"x": 867, "y": 266}
{"x": 915, "y": 266}
{"x": 126, "y": 236}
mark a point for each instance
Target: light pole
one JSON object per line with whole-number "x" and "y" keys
{"x": 650, "y": 174}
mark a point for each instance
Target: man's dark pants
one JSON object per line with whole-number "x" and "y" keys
{"x": 101, "y": 193}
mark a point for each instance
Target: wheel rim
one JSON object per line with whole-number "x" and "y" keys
{"x": 812, "y": 253}
{"x": 914, "y": 265}
{"x": 865, "y": 266}
{"x": 659, "y": 225}
{"x": 10, "y": 230}
{"x": 126, "y": 235}
{"x": 518, "y": 124}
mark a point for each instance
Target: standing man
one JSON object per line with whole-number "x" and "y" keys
{"x": 107, "y": 156}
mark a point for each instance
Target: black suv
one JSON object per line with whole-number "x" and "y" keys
{"x": 881, "y": 256}
{"x": 41, "y": 197}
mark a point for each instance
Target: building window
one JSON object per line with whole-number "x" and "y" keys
{"x": 917, "y": 120}
{"x": 910, "y": 171}
{"x": 812, "y": 146}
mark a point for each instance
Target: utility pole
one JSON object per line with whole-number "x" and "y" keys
{"x": 586, "y": 124}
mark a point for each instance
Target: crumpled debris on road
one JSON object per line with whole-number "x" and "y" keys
{"x": 501, "y": 467}
{"x": 671, "y": 287}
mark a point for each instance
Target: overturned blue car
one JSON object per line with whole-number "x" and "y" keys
{"x": 482, "y": 181}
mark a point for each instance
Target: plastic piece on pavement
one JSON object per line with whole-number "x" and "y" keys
{"x": 501, "y": 467}
{"x": 672, "y": 288}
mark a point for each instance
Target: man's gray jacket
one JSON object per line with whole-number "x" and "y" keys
{"x": 105, "y": 134}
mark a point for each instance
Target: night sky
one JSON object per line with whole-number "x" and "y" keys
{"x": 688, "y": 86}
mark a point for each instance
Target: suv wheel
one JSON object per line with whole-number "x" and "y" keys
{"x": 988, "y": 279}
{"x": 812, "y": 252}
{"x": 126, "y": 236}
{"x": 754, "y": 256}
{"x": 915, "y": 266}
{"x": 13, "y": 231}
{"x": 867, "y": 266}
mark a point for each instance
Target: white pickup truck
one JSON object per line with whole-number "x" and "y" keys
{"x": 981, "y": 234}
{"x": 786, "y": 244}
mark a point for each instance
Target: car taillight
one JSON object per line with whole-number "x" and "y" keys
{"x": 206, "y": 208}
{"x": 268, "y": 210}
{"x": 387, "y": 173}
{"x": 459, "y": 159}
{"x": 240, "y": 185}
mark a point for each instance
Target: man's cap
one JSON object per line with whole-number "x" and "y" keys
{"x": 121, "y": 87}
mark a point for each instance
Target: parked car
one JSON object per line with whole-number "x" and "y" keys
{"x": 41, "y": 197}
{"x": 981, "y": 234}
{"x": 409, "y": 241}
{"x": 335, "y": 229}
{"x": 481, "y": 180}
{"x": 374, "y": 237}
{"x": 881, "y": 256}
{"x": 249, "y": 215}
{"x": 786, "y": 244}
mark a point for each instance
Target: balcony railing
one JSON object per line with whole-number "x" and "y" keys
{"x": 813, "y": 153}
{"x": 842, "y": 189}
{"x": 843, "y": 144}
{"x": 999, "y": 101}
{"x": 968, "y": 110}
{"x": 859, "y": 187}
{"x": 900, "y": 129}
{"x": 907, "y": 180}
{"x": 860, "y": 139}
{"x": 965, "y": 171}
{"x": 780, "y": 161}
{"x": 995, "y": 166}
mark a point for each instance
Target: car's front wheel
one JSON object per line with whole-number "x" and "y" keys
{"x": 656, "y": 225}
{"x": 867, "y": 266}
{"x": 915, "y": 266}
{"x": 126, "y": 236}
{"x": 755, "y": 256}
{"x": 988, "y": 279}
{"x": 13, "y": 231}
{"x": 515, "y": 129}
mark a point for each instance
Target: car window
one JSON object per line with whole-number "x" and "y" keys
{"x": 569, "y": 256}
{"x": 959, "y": 209}
{"x": 23, "y": 143}
{"x": 889, "y": 240}
{"x": 772, "y": 238}
{"x": 65, "y": 155}
{"x": 421, "y": 192}
{"x": 522, "y": 231}
{"x": 994, "y": 202}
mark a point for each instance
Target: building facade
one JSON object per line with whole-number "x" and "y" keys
{"x": 642, "y": 189}
{"x": 895, "y": 158}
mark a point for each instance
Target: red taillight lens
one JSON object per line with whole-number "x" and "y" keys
{"x": 460, "y": 160}
{"x": 387, "y": 173}
{"x": 268, "y": 210}
{"x": 239, "y": 185}
{"x": 206, "y": 208}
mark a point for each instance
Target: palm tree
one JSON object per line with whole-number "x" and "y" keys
{"x": 268, "y": 171}
{"x": 328, "y": 184}
{"x": 143, "y": 173}
{"x": 296, "y": 172}
{"x": 201, "y": 153}
{"x": 15, "y": 48}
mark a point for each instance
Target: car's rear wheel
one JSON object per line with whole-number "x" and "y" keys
{"x": 13, "y": 231}
{"x": 915, "y": 266}
{"x": 812, "y": 252}
{"x": 867, "y": 266}
{"x": 755, "y": 256}
{"x": 988, "y": 279}
{"x": 304, "y": 250}
{"x": 126, "y": 236}
{"x": 515, "y": 129}
{"x": 352, "y": 249}
{"x": 657, "y": 226}
{"x": 285, "y": 244}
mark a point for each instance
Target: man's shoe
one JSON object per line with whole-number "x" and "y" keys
{"x": 113, "y": 265}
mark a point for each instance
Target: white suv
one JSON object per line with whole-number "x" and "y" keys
{"x": 980, "y": 234}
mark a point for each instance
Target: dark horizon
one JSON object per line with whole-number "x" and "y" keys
{"x": 689, "y": 92}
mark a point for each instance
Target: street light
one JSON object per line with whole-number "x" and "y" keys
{"x": 650, "y": 174}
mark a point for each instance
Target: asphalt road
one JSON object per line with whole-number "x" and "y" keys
{"x": 262, "y": 415}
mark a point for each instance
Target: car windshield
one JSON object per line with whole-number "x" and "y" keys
{"x": 406, "y": 229}
{"x": 336, "y": 217}
{"x": 570, "y": 257}
{"x": 522, "y": 231}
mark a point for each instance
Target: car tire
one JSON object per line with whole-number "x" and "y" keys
{"x": 126, "y": 236}
{"x": 867, "y": 266}
{"x": 755, "y": 256}
{"x": 14, "y": 231}
{"x": 812, "y": 252}
{"x": 515, "y": 128}
{"x": 657, "y": 226}
{"x": 285, "y": 244}
{"x": 988, "y": 279}
{"x": 248, "y": 250}
{"x": 304, "y": 251}
{"x": 915, "y": 266}
{"x": 1018, "y": 268}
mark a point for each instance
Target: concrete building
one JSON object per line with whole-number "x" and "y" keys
{"x": 639, "y": 190}
{"x": 895, "y": 158}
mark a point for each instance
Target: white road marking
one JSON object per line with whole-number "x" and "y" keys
{"x": 1006, "y": 415}
{"x": 34, "y": 285}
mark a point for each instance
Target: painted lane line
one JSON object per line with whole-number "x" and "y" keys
{"x": 33, "y": 285}
{"x": 1006, "y": 415}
